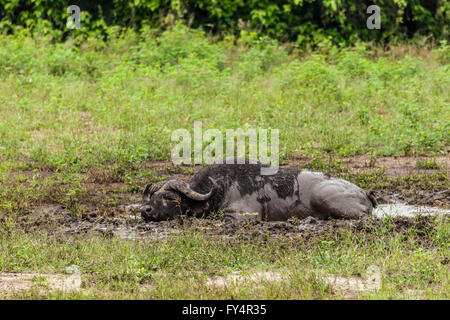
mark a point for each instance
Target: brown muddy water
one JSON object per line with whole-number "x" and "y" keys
{"x": 405, "y": 210}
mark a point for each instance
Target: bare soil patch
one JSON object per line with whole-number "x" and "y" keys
{"x": 349, "y": 288}
{"x": 10, "y": 282}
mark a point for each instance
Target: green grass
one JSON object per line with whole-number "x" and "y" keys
{"x": 427, "y": 164}
{"x": 73, "y": 108}
{"x": 79, "y": 116}
{"x": 178, "y": 267}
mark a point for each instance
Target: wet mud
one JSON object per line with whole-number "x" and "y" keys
{"x": 129, "y": 225}
{"x": 122, "y": 218}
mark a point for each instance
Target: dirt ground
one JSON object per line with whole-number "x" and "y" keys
{"x": 346, "y": 287}
{"x": 129, "y": 225}
{"x": 394, "y": 166}
{"x": 122, "y": 218}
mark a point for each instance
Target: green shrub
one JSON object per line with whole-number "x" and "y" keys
{"x": 309, "y": 23}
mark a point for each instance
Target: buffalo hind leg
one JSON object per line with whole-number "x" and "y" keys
{"x": 340, "y": 201}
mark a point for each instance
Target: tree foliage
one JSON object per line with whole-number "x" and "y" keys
{"x": 307, "y": 22}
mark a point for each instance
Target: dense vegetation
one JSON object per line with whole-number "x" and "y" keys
{"x": 73, "y": 107}
{"x": 303, "y": 22}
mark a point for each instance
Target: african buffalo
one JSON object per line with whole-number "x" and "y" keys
{"x": 236, "y": 189}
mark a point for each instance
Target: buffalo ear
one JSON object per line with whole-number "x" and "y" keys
{"x": 146, "y": 193}
{"x": 151, "y": 188}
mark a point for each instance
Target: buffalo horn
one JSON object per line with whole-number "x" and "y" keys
{"x": 185, "y": 189}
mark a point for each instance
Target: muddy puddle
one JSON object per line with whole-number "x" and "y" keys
{"x": 127, "y": 224}
{"x": 308, "y": 226}
{"x": 405, "y": 210}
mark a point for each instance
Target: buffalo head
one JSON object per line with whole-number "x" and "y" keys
{"x": 167, "y": 199}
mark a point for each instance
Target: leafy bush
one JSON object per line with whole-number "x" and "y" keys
{"x": 306, "y": 22}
